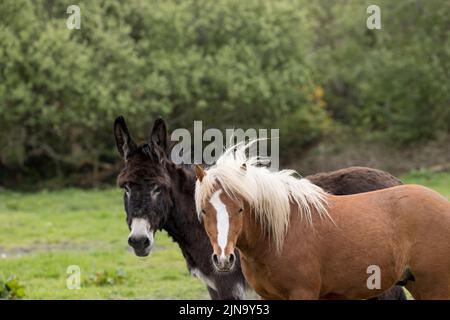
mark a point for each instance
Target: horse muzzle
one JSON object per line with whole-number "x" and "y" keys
{"x": 224, "y": 263}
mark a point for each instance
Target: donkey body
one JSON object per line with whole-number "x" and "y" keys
{"x": 160, "y": 195}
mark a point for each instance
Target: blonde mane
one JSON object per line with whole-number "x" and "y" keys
{"x": 269, "y": 193}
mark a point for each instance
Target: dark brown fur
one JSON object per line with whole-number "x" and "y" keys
{"x": 348, "y": 180}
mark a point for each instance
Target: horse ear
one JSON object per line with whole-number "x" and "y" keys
{"x": 124, "y": 142}
{"x": 199, "y": 172}
{"x": 158, "y": 137}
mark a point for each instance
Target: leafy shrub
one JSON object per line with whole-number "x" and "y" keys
{"x": 106, "y": 277}
{"x": 11, "y": 289}
{"x": 302, "y": 66}
{"x": 390, "y": 84}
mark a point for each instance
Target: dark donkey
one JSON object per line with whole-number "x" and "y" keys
{"x": 160, "y": 195}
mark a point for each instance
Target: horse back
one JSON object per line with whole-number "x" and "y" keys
{"x": 414, "y": 201}
{"x": 405, "y": 215}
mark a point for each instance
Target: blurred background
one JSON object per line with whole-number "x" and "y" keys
{"x": 340, "y": 94}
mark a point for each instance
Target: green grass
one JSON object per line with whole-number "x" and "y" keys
{"x": 436, "y": 181}
{"x": 41, "y": 234}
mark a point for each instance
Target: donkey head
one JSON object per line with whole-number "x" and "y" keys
{"x": 146, "y": 182}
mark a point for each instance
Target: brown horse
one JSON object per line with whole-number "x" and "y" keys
{"x": 298, "y": 242}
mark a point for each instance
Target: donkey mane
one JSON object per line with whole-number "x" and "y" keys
{"x": 268, "y": 193}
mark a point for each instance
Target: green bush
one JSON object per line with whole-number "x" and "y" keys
{"x": 11, "y": 289}
{"x": 61, "y": 89}
{"x": 305, "y": 67}
{"x": 391, "y": 84}
{"x": 107, "y": 277}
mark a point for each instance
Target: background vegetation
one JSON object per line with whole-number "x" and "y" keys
{"x": 40, "y": 236}
{"x": 310, "y": 68}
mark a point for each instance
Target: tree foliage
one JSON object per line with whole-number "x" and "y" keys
{"x": 305, "y": 67}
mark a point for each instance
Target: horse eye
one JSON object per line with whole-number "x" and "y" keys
{"x": 203, "y": 211}
{"x": 240, "y": 210}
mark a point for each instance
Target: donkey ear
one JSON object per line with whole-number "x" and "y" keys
{"x": 199, "y": 172}
{"x": 158, "y": 136}
{"x": 124, "y": 142}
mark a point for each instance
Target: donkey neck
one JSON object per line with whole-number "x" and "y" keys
{"x": 182, "y": 217}
{"x": 182, "y": 223}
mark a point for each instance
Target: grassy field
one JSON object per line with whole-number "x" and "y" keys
{"x": 41, "y": 234}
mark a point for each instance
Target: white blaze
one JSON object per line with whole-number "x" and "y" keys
{"x": 141, "y": 227}
{"x": 223, "y": 222}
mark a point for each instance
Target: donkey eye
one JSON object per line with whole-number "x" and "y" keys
{"x": 156, "y": 190}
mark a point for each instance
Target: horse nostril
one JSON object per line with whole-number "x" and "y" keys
{"x": 232, "y": 258}
{"x": 215, "y": 259}
{"x": 132, "y": 241}
{"x": 145, "y": 242}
